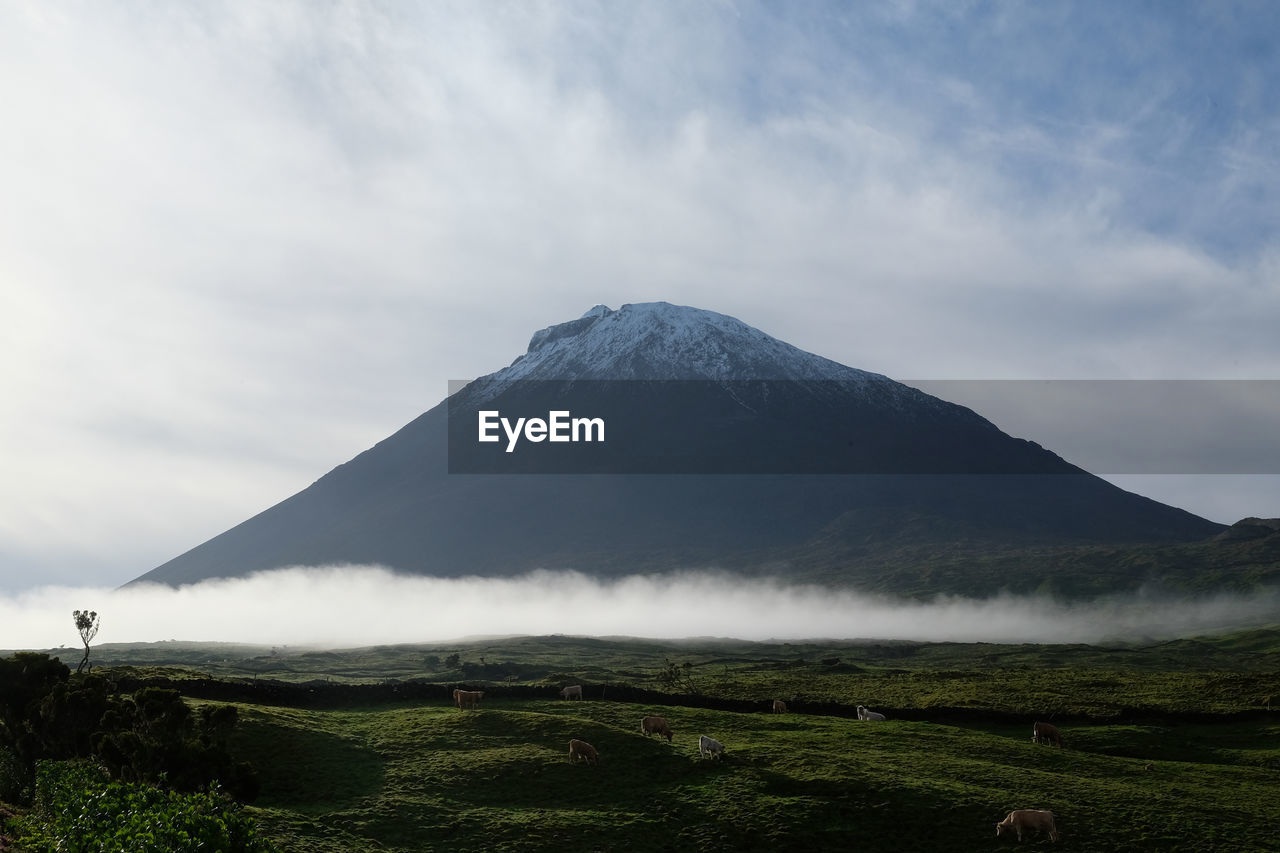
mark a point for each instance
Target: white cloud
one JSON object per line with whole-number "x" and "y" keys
{"x": 241, "y": 243}
{"x": 353, "y": 606}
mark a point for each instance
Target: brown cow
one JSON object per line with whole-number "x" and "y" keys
{"x": 1028, "y": 819}
{"x": 467, "y": 698}
{"x": 779, "y": 707}
{"x": 655, "y": 726}
{"x": 1046, "y": 733}
{"x": 585, "y": 751}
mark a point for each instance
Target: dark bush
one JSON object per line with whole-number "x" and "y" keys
{"x": 15, "y": 782}
{"x": 151, "y": 736}
{"x": 25, "y": 680}
{"x": 154, "y": 737}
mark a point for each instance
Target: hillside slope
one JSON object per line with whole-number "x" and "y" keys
{"x": 772, "y": 459}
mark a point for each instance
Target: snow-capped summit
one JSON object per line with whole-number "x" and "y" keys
{"x": 597, "y": 311}
{"x": 658, "y": 340}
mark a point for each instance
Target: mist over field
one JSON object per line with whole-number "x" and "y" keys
{"x": 347, "y": 606}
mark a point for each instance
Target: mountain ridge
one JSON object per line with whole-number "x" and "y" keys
{"x": 756, "y": 402}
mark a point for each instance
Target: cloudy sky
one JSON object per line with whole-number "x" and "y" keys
{"x": 242, "y": 242}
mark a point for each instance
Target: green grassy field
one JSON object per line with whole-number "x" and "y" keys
{"x": 1218, "y": 675}
{"x": 1170, "y": 746}
{"x": 431, "y": 777}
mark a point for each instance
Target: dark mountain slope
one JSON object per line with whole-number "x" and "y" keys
{"x": 748, "y": 431}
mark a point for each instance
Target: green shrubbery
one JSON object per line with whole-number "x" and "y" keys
{"x": 79, "y": 810}
{"x": 151, "y": 736}
{"x": 26, "y": 680}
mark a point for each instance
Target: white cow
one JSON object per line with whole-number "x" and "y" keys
{"x": 709, "y": 747}
{"x": 864, "y": 714}
{"x": 571, "y": 692}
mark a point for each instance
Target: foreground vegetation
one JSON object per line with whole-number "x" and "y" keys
{"x": 78, "y": 809}
{"x": 1170, "y": 746}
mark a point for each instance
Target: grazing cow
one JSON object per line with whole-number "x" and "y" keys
{"x": 467, "y": 698}
{"x": 574, "y": 692}
{"x": 1046, "y": 733}
{"x": 864, "y": 714}
{"x": 709, "y": 747}
{"x": 655, "y": 726}
{"x": 779, "y": 707}
{"x": 1027, "y": 820}
{"x": 580, "y": 749}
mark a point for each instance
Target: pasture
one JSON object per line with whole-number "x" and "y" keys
{"x": 430, "y": 777}
{"x": 1169, "y": 746}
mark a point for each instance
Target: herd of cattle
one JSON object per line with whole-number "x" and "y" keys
{"x": 1016, "y": 822}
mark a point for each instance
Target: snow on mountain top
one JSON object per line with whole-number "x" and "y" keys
{"x": 661, "y": 341}
{"x": 658, "y": 340}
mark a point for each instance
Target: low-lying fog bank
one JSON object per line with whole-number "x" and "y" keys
{"x": 347, "y": 606}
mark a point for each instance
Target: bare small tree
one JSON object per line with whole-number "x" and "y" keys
{"x": 87, "y": 624}
{"x": 677, "y": 676}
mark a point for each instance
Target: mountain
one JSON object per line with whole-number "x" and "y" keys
{"x": 723, "y": 447}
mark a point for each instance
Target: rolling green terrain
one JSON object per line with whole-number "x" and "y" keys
{"x": 1169, "y": 746}
{"x": 429, "y": 777}
{"x": 631, "y": 660}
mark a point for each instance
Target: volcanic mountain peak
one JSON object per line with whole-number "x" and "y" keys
{"x": 658, "y": 340}
{"x": 787, "y": 424}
